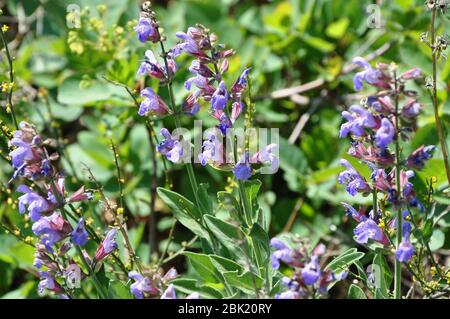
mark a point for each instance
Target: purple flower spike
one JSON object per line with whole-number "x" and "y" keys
{"x": 243, "y": 170}
{"x": 354, "y": 181}
{"x": 220, "y": 98}
{"x": 151, "y": 66}
{"x": 368, "y": 229}
{"x": 240, "y": 85}
{"x": 385, "y": 134}
{"x": 420, "y": 156}
{"x": 411, "y": 109}
{"x": 311, "y": 272}
{"x": 212, "y": 151}
{"x": 79, "y": 234}
{"x": 141, "y": 286}
{"x": 169, "y": 293}
{"x": 358, "y": 119}
{"x": 175, "y": 151}
{"x": 36, "y": 204}
{"x": 282, "y": 253}
{"x": 107, "y": 246}
{"x": 369, "y": 75}
{"x": 48, "y": 282}
{"x": 147, "y": 30}
{"x": 152, "y": 103}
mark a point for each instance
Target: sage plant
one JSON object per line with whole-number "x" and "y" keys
{"x": 378, "y": 128}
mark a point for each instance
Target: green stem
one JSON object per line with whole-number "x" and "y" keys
{"x": 97, "y": 284}
{"x": 435, "y": 98}
{"x": 11, "y": 78}
{"x": 397, "y": 265}
{"x": 189, "y": 166}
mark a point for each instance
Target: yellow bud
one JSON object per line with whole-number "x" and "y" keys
{"x": 120, "y": 210}
{"x": 5, "y": 28}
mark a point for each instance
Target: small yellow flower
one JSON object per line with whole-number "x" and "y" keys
{"x": 120, "y": 210}
{"x": 5, "y": 28}
{"x": 4, "y": 86}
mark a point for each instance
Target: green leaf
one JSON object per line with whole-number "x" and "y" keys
{"x": 437, "y": 240}
{"x": 355, "y": 292}
{"x": 184, "y": 210}
{"x": 229, "y": 235}
{"x": 230, "y": 203}
{"x": 246, "y": 282}
{"x": 337, "y": 29}
{"x": 120, "y": 290}
{"x": 344, "y": 260}
{"x": 204, "y": 267}
{"x": 72, "y": 92}
{"x": 189, "y": 286}
{"x": 382, "y": 275}
{"x": 205, "y": 200}
{"x": 224, "y": 264}
{"x": 260, "y": 240}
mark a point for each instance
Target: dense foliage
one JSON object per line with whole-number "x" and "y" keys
{"x": 99, "y": 198}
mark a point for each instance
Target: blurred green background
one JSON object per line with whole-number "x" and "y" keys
{"x": 286, "y": 43}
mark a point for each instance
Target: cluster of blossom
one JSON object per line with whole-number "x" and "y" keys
{"x": 372, "y": 128}
{"x": 206, "y": 84}
{"x": 43, "y": 202}
{"x": 151, "y": 285}
{"x": 308, "y": 275}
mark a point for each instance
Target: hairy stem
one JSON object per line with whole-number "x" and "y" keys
{"x": 11, "y": 79}
{"x": 398, "y": 238}
{"x": 189, "y": 166}
{"x": 435, "y": 98}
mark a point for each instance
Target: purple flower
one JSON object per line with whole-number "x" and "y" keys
{"x": 219, "y": 98}
{"x": 200, "y": 82}
{"x": 266, "y": 156}
{"x": 385, "y": 134}
{"x": 420, "y": 156}
{"x": 350, "y": 211}
{"x": 190, "y": 105}
{"x": 369, "y": 75}
{"x": 212, "y": 150}
{"x": 236, "y": 110}
{"x": 358, "y": 119}
{"x": 411, "y": 109}
{"x": 412, "y": 74}
{"x": 288, "y": 295}
{"x": 147, "y": 30}
{"x": 224, "y": 123}
{"x": 311, "y": 272}
{"x": 368, "y": 229}
{"x": 175, "y": 151}
{"x": 141, "y": 286}
{"x": 48, "y": 282}
{"x": 197, "y": 67}
{"x": 152, "y": 103}
{"x": 79, "y": 234}
{"x": 23, "y": 151}
{"x": 190, "y": 43}
{"x": 281, "y": 253}
{"x": 354, "y": 181}
{"x": 151, "y": 67}
{"x": 36, "y": 204}
{"x": 240, "y": 85}
{"x": 243, "y": 170}
{"x": 107, "y": 246}
{"x": 52, "y": 229}
{"x": 169, "y": 293}
{"x": 405, "y": 251}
